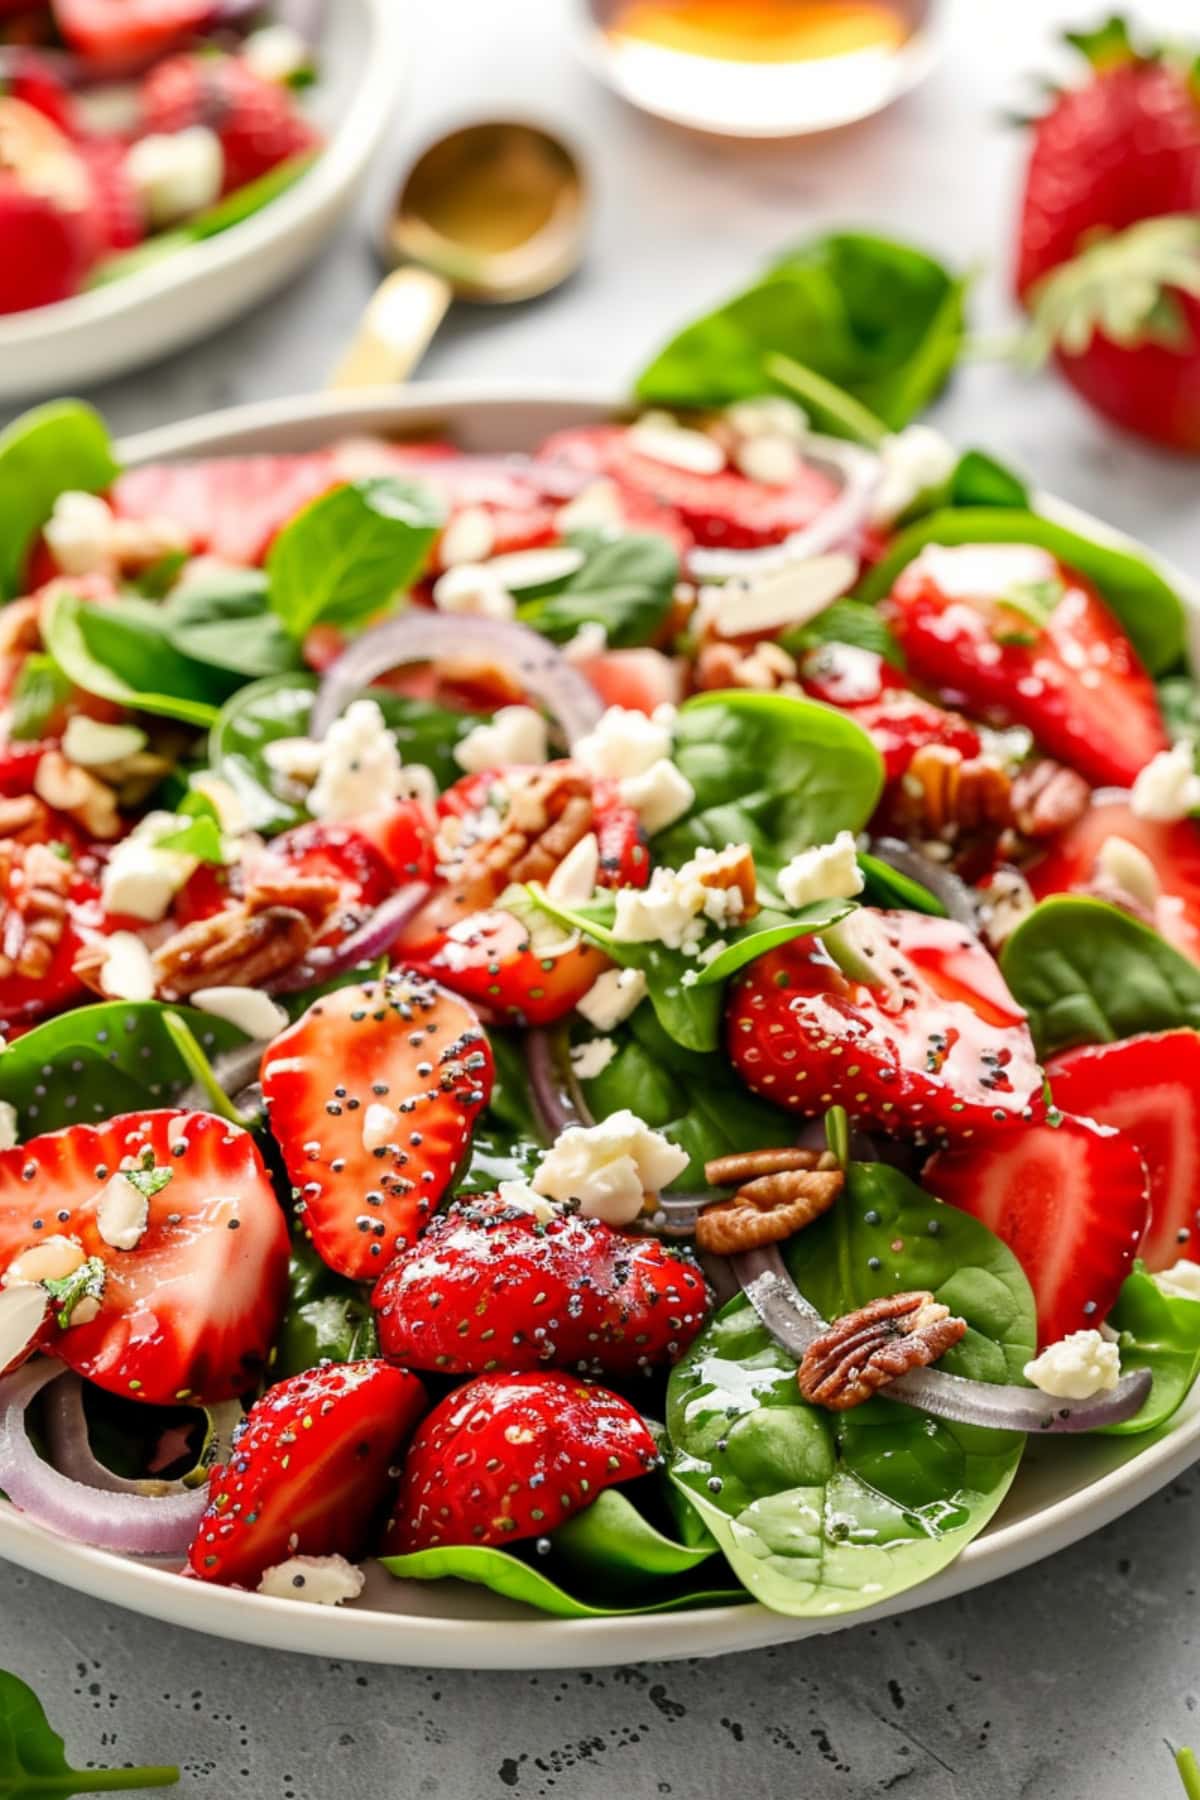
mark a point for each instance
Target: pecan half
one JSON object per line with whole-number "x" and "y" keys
{"x": 747, "y": 1165}
{"x": 1047, "y": 798}
{"x": 233, "y": 948}
{"x": 25, "y": 819}
{"x": 31, "y": 933}
{"x": 548, "y": 811}
{"x": 72, "y": 790}
{"x": 767, "y": 1210}
{"x": 861, "y": 1352}
{"x": 944, "y": 794}
{"x": 764, "y": 668}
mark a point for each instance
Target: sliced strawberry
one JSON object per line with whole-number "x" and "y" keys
{"x": 48, "y": 246}
{"x": 511, "y": 1456}
{"x": 372, "y": 1095}
{"x": 192, "y": 1307}
{"x": 257, "y": 121}
{"x": 490, "y": 958}
{"x": 726, "y": 510}
{"x": 923, "y": 1036}
{"x": 117, "y": 209}
{"x": 309, "y": 1471}
{"x": 49, "y": 908}
{"x": 1069, "y": 1199}
{"x": 231, "y": 506}
{"x": 399, "y": 834}
{"x": 901, "y": 724}
{"x": 639, "y": 680}
{"x": 489, "y": 1286}
{"x": 118, "y": 32}
{"x": 37, "y": 82}
{"x": 1173, "y": 847}
{"x": 1008, "y": 630}
{"x": 1148, "y": 1089}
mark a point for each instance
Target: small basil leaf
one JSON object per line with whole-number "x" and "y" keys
{"x": 55, "y": 449}
{"x": 626, "y": 585}
{"x": 121, "y": 652}
{"x": 350, "y": 552}
{"x": 223, "y": 620}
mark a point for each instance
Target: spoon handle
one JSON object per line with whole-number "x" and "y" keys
{"x": 395, "y": 331}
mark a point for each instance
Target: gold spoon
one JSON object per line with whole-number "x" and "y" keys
{"x": 491, "y": 213}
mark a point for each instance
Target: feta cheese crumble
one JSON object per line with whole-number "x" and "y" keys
{"x": 1076, "y": 1367}
{"x": 768, "y": 416}
{"x": 95, "y": 745}
{"x": 679, "y": 904}
{"x": 591, "y": 1059}
{"x": 295, "y": 758}
{"x": 360, "y": 765}
{"x": 612, "y": 997}
{"x": 597, "y": 508}
{"x": 626, "y": 742}
{"x": 122, "y": 1213}
{"x": 827, "y": 872}
{"x": 276, "y": 53}
{"x": 1181, "y": 1281}
{"x": 140, "y": 880}
{"x": 659, "y": 796}
{"x": 1168, "y": 788}
{"x": 473, "y": 589}
{"x": 914, "y": 461}
{"x": 321, "y": 1580}
{"x": 609, "y": 1168}
{"x": 176, "y": 173}
{"x": 251, "y": 1011}
{"x": 517, "y": 734}
{"x": 470, "y": 537}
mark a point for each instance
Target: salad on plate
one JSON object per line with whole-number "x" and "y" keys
{"x": 620, "y": 1023}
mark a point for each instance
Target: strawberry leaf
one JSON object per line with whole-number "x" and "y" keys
{"x": 33, "y": 1763}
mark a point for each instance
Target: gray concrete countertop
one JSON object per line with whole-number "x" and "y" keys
{"x": 1062, "y": 1683}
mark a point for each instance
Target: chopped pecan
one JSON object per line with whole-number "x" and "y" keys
{"x": 767, "y": 1210}
{"x": 313, "y": 895}
{"x": 548, "y": 811}
{"x": 944, "y": 794}
{"x": 764, "y": 667}
{"x": 233, "y": 948}
{"x": 732, "y": 869}
{"x": 82, "y": 796}
{"x": 31, "y": 931}
{"x": 1047, "y": 797}
{"x": 747, "y": 1165}
{"x": 25, "y": 819}
{"x": 861, "y": 1352}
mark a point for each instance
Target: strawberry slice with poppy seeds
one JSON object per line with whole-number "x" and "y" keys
{"x": 490, "y": 1285}
{"x": 229, "y": 506}
{"x": 1008, "y": 631}
{"x": 902, "y": 1019}
{"x": 372, "y": 1096}
{"x": 1069, "y": 1198}
{"x": 162, "y": 1243}
{"x": 512, "y": 1456}
{"x": 1165, "y": 868}
{"x": 309, "y": 1472}
{"x": 1148, "y": 1089}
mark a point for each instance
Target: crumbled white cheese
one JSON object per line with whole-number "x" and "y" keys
{"x": 276, "y": 53}
{"x": 122, "y": 1213}
{"x": 520, "y": 1195}
{"x": 127, "y": 972}
{"x": 591, "y": 640}
{"x": 176, "y": 173}
{"x": 787, "y": 596}
{"x": 360, "y": 765}
{"x": 93, "y": 744}
{"x": 321, "y": 1580}
{"x": 1181, "y": 1281}
{"x": 827, "y": 872}
{"x": 591, "y": 1059}
{"x": 659, "y": 796}
{"x": 1004, "y": 902}
{"x": 380, "y": 1126}
{"x": 473, "y": 588}
{"x": 1128, "y": 868}
{"x": 248, "y": 1008}
{"x": 470, "y": 537}
{"x": 597, "y": 508}
{"x": 661, "y": 438}
{"x": 612, "y": 997}
{"x": 915, "y": 461}
{"x": 9, "y": 1125}
{"x": 1168, "y": 788}
{"x": 768, "y": 416}
{"x": 517, "y": 734}
{"x": 1076, "y": 1367}
{"x": 625, "y": 742}
{"x": 679, "y": 904}
{"x": 609, "y": 1168}
{"x": 52, "y": 1260}
{"x": 771, "y": 460}
{"x": 140, "y": 879}
{"x": 295, "y": 758}
{"x": 522, "y": 570}
{"x": 78, "y": 534}
{"x": 419, "y": 784}
{"x": 574, "y": 880}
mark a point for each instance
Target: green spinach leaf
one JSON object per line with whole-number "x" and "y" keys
{"x": 40, "y": 690}
{"x": 1159, "y": 1332}
{"x": 55, "y": 449}
{"x": 33, "y": 1762}
{"x": 350, "y": 552}
{"x": 979, "y": 480}
{"x": 224, "y": 620}
{"x": 771, "y": 771}
{"x": 1087, "y": 973}
{"x": 886, "y": 886}
{"x": 506, "y": 1142}
{"x": 1143, "y": 602}
{"x": 879, "y": 319}
{"x": 327, "y": 1318}
{"x": 121, "y": 652}
{"x": 846, "y": 622}
{"x": 626, "y": 585}
{"x": 824, "y": 1513}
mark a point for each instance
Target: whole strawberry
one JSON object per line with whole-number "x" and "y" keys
{"x": 1109, "y": 250}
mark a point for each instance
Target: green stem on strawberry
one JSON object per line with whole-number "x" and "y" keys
{"x": 852, "y": 419}
{"x": 1189, "y": 1773}
{"x": 201, "y": 1070}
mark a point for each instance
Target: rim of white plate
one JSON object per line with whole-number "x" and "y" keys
{"x": 483, "y": 1640}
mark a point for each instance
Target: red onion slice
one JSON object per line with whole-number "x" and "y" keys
{"x": 424, "y": 636}
{"x": 373, "y": 938}
{"x": 942, "y": 883}
{"x": 858, "y": 472}
{"x": 793, "y": 1322}
{"x": 71, "y": 1452}
{"x": 134, "y": 1524}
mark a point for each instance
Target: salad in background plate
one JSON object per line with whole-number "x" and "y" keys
{"x": 619, "y": 1023}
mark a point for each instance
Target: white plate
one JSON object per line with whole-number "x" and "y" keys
{"x": 93, "y": 336}
{"x": 1064, "y": 1490}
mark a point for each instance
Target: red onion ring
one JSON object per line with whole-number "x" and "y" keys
{"x": 859, "y": 472}
{"x": 1002, "y": 1406}
{"x": 134, "y": 1524}
{"x": 373, "y": 938}
{"x": 71, "y": 1452}
{"x": 424, "y": 636}
{"x": 943, "y": 884}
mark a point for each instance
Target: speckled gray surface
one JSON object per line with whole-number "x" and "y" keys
{"x": 1063, "y": 1683}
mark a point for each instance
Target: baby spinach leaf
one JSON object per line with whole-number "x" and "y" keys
{"x": 223, "y": 619}
{"x": 1143, "y": 602}
{"x": 40, "y": 690}
{"x": 979, "y": 480}
{"x": 121, "y": 652}
{"x": 55, "y": 449}
{"x": 626, "y": 585}
{"x": 1087, "y": 973}
{"x": 771, "y": 771}
{"x": 887, "y": 887}
{"x": 350, "y": 552}
{"x": 877, "y": 318}
{"x": 823, "y": 1513}
{"x": 506, "y": 1142}
{"x": 33, "y": 1762}
{"x": 100, "y": 1060}
{"x": 693, "y": 1098}
{"x": 327, "y": 1318}
{"x": 1159, "y": 1332}
{"x": 846, "y": 622}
